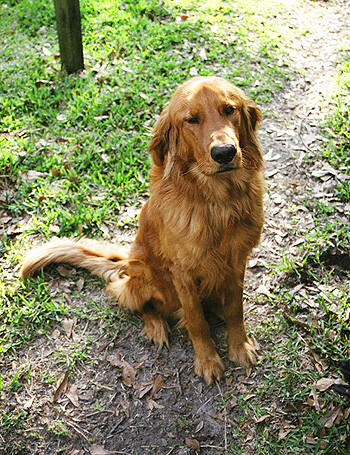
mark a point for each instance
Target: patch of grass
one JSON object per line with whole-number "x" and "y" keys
{"x": 58, "y": 428}
{"x": 290, "y": 413}
{"x": 26, "y": 313}
{"x": 325, "y": 250}
{"x": 328, "y": 245}
{"x": 338, "y": 151}
{"x": 13, "y": 420}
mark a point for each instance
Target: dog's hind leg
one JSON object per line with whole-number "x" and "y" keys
{"x": 136, "y": 291}
{"x": 156, "y": 328}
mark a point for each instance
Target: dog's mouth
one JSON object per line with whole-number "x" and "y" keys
{"x": 223, "y": 169}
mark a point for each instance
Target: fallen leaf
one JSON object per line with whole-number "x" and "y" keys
{"x": 104, "y": 228}
{"x": 77, "y": 452}
{"x": 143, "y": 388}
{"x": 153, "y": 405}
{"x": 126, "y": 69}
{"x": 203, "y": 54}
{"x": 153, "y": 386}
{"x": 126, "y": 408}
{"x": 60, "y": 139}
{"x": 74, "y": 179}
{"x": 55, "y": 171}
{"x": 54, "y": 229}
{"x": 262, "y": 289}
{"x": 234, "y": 402}
{"x": 31, "y": 176}
{"x": 328, "y": 420}
{"x": 323, "y": 445}
{"x": 46, "y": 52}
{"x": 28, "y": 403}
{"x": 193, "y": 444}
{"x": 142, "y": 360}
{"x": 283, "y": 433}
{"x": 296, "y": 321}
{"x": 72, "y": 394}
{"x": 80, "y": 283}
{"x": 55, "y": 334}
{"x": 269, "y": 156}
{"x": 199, "y": 427}
{"x": 249, "y": 396}
{"x": 61, "y": 117}
{"x": 311, "y": 440}
{"x": 65, "y": 272}
{"x": 68, "y": 325}
{"x": 158, "y": 383}
{"x": 315, "y": 402}
{"x": 263, "y": 418}
{"x": 128, "y": 371}
{"x": 114, "y": 359}
{"x": 62, "y": 388}
{"x": 129, "y": 374}
{"x": 324, "y": 384}
{"x": 295, "y": 290}
{"x": 96, "y": 449}
{"x": 41, "y": 82}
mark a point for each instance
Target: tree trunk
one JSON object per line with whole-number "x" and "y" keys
{"x": 69, "y": 35}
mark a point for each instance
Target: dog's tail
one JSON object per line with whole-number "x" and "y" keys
{"x": 102, "y": 259}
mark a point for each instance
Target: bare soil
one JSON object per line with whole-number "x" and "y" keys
{"x": 166, "y": 409}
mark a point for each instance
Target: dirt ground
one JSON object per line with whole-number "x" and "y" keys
{"x": 166, "y": 409}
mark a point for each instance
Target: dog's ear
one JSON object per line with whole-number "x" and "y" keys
{"x": 160, "y": 142}
{"x": 254, "y": 114}
{"x": 251, "y": 118}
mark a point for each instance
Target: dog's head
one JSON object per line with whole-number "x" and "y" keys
{"x": 209, "y": 126}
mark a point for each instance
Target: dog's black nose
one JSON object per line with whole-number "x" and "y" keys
{"x": 223, "y": 153}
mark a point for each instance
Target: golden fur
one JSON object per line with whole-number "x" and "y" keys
{"x": 196, "y": 231}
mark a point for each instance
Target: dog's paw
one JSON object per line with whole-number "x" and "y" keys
{"x": 210, "y": 368}
{"x": 244, "y": 354}
{"x": 156, "y": 329}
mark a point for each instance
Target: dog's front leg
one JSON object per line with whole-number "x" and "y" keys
{"x": 207, "y": 361}
{"x": 241, "y": 348}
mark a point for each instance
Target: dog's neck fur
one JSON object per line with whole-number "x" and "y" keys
{"x": 220, "y": 189}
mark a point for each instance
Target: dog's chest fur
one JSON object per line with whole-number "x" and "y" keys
{"x": 208, "y": 237}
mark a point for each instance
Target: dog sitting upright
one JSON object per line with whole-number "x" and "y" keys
{"x": 196, "y": 231}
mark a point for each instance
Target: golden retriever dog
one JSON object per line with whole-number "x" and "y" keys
{"x": 196, "y": 231}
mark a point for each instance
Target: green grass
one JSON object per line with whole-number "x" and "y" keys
{"x": 339, "y": 151}
{"x": 291, "y": 422}
{"x": 86, "y": 136}
{"x": 329, "y": 242}
{"x": 25, "y": 313}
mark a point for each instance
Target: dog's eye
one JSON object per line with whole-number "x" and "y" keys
{"x": 193, "y": 120}
{"x": 229, "y": 110}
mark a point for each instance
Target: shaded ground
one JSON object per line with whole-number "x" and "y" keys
{"x": 100, "y": 408}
